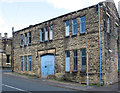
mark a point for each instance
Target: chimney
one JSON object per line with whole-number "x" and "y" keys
{"x": 119, "y": 8}
{"x": 5, "y": 35}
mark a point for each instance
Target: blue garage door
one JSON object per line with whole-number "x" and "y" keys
{"x": 47, "y": 65}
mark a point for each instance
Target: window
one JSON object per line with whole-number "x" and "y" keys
{"x": 21, "y": 63}
{"x": 67, "y": 30}
{"x": 8, "y": 58}
{"x": 41, "y": 35}
{"x": 82, "y": 24}
{"x": 29, "y": 59}
{"x": 46, "y": 34}
{"x": 25, "y": 63}
{"x": 74, "y": 26}
{"x": 75, "y": 60}
{"x": 83, "y": 60}
{"x": 29, "y": 38}
{"x": 51, "y": 33}
{"x": 21, "y": 41}
{"x": 25, "y": 39}
{"x": 117, "y": 32}
{"x": 67, "y": 61}
{"x": 108, "y": 24}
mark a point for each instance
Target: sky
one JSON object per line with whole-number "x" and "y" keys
{"x": 22, "y": 13}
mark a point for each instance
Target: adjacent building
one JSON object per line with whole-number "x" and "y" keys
{"x": 61, "y": 46}
{"x": 5, "y": 51}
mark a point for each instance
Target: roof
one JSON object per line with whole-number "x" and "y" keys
{"x": 30, "y": 26}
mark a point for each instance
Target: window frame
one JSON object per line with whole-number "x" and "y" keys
{"x": 82, "y": 21}
{"x": 83, "y": 56}
{"x": 21, "y": 40}
{"x": 21, "y": 58}
{"x": 25, "y": 39}
{"x": 29, "y": 61}
{"x": 25, "y": 61}
{"x": 75, "y": 61}
{"x": 46, "y": 34}
{"x": 67, "y": 64}
{"x": 67, "y": 28}
{"x": 74, "y": 27}
{"x": 41, "y": 35}
{"x": 29, "y": 38}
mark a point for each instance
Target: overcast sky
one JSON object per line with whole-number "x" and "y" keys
{"x": 22, "y": 13}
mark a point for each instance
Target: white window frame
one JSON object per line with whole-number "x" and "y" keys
{"x": 67, "y": 28}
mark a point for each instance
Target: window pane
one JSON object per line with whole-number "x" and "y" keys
{"x": 29, "y": 63}
{"x": 21, "y": 42}
{"x": 29, "y": 39}
{"x": 67, "y": 53}
{"x": 25, "y": 38}
{"x": 83, "y": 60}
{"x": 74, "y": 26}
{"x": 82, "y": 24}
{"x": 67, "y": 28}
{"x": 75, "y": 53}
{"x": 21, "y": 63}
{"x": 75, "y": 60}
{"x": 46, "y": 34}
{"x": 83, "y": 52}
{"x": 67, "y": 60}
{"x": 25, "y": 63}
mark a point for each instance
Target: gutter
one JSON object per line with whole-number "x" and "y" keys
{"x": 99, "y": 43}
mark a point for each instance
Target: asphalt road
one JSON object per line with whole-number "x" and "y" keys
{"x": 19, "y": 84}
{"x": 15, "y": 83}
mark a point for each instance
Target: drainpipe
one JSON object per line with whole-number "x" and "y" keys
{"x": 99, "y": 43}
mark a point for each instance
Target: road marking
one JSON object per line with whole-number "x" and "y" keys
{"x": 13, "y": 87}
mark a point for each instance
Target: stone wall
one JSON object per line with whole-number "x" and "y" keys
{"x": 111, "y": 46}
{"x": 5, "y": 46}
{"x": 60, "y": 44}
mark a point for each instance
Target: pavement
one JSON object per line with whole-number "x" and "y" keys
{"x": 114, "y": 88}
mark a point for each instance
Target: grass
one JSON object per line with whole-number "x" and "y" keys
{"x": 27, "y": 75}
{"x": 97, "y": 85}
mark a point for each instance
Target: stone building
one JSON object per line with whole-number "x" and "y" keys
{"x": 59, "y": 47}
{"x": 5, "y": 51}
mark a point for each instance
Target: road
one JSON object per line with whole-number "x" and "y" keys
{"x": 15, "y": 83}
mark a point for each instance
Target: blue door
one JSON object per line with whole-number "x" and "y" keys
{"x": 47, "y": 65}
